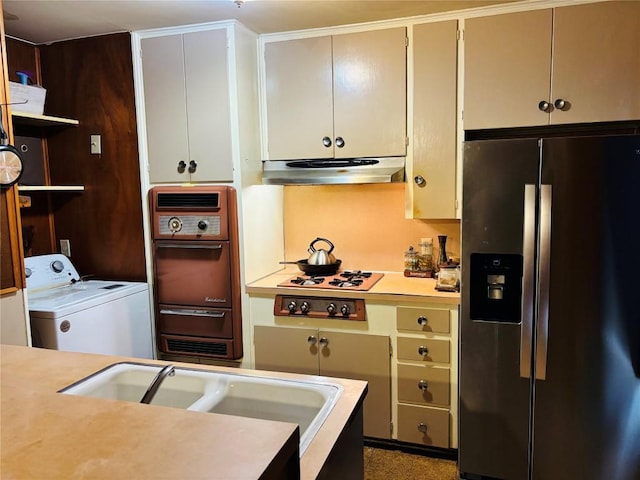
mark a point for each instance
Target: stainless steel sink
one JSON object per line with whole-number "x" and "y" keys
{"x": 304, "y": 402}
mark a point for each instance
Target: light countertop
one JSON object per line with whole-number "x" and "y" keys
{"x": 50, "y": 435}
{"x": 393, "y": 286}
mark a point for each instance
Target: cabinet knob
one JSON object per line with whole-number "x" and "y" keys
{"x": 339, "y": 142}
{"x": 422, "y": 427}
{"x": 312, "y": 340}
{"x": 181, "y": 166}
{"x": 192, "y": 166}
{"x": 419, "y": 180}
{"x": 326, "y": 141}
{"x": 544, "y": 106}
{"x": 423, "y": 385}
{"x": 422, "y": 350}
{"x": 562, "y": 104}
{"x": 422, "y": 320}
{"x": 324, "y": 341}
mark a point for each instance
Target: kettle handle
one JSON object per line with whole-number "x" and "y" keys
{"x": 319, "y": 239}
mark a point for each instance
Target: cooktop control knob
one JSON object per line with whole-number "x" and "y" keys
{"x": 304, "y": 308}
{"x": 331, "y": 308}
{"x": 57, "y": 266}
{"x": 202, "y": 225}
{"x": 345, "y": 310}
{"x": 292, "y": 306}
{"x": 175, "y": 224}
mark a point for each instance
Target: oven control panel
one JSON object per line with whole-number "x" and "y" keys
{"x": 320, "y": 307}
{"x": 182, "y": 225}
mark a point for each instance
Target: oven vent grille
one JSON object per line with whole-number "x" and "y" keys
{"x": 202, "y": 348}
{"x": 188, "y": 200}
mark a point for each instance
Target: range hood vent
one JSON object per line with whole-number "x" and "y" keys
{"x": 334, "y": 171}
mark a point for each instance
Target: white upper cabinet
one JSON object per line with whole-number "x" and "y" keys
{"x": 338, "y": 96}
{"x": 432, "y": 183}
{"x": 187, "y": 107}
{"x": 565, "y": 65}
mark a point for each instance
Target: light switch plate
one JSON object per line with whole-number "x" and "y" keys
{"x": 96, "y": 145}
{"x": 65, "y": 247}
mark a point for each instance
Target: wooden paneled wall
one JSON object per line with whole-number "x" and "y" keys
{"x": 91, "y": 80}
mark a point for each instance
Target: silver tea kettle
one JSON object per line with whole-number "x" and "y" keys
{"x": 321, "y": 256}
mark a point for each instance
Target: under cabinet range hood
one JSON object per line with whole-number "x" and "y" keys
{"x": 333, "y": 171}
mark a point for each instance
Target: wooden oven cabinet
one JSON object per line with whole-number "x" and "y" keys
{"x": 581, "y": 59}
{"x": 346, "y": 355}
{"x": 427, "y": 375}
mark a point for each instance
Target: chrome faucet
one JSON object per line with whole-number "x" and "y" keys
{"x": 167, "y": 371}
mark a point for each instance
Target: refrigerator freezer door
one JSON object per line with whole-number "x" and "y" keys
{"x": 494, "y": 398}
{"x": 586, "y": 422}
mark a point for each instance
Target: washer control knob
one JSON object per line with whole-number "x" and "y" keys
{"x": 331, "y": 308}
{"x": 202, "y": 225}
{"x": 57, "y": 266}
{"x": 292, "y": 306}
{"x": 344, "y": 309}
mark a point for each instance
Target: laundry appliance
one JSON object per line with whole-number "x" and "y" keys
{"x": 89, "y": 316}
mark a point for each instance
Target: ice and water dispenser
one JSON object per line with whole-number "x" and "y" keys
{"x": 496, "y": 287}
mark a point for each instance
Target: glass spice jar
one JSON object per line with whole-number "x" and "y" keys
{"x": 425, "y": 259}
{"x": 411, "y": 260}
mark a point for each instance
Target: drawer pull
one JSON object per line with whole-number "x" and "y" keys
{"x": 422, "y": 427}
{"x": 422, "y": 350}
{"x": 312, "y": 340}
{"x": 423, "y": 385}
{"x": 422, "y": 320}
{"x": 192, "y": 313}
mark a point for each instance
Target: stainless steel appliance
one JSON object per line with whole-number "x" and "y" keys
{"x": 347, "y": 280}
{"x": 333, "y": 171}
{"x": 330, "y": 307}
{"x": 197, "y": 271}
{"x": 550, "y": 330}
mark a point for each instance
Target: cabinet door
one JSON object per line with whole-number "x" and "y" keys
{"x": 596, "y": 62}
{"x": 362, "y": 357}
{"x": 370, "y": 85}
{"x": 165, "y": 107}
{"x": 283, "y": 349}
{"x": 434, "y": 120}
{"x": 507, "y": 69}
{"x": 206, "y": 68}
{"x": 299, "y": 98}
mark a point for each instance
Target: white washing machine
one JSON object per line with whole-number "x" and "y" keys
{"x": 90, "y": 316}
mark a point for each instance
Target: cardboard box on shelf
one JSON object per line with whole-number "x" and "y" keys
{"x": 27, "y": 98}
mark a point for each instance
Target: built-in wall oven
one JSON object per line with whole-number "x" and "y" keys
{"x": 197, "y": 271}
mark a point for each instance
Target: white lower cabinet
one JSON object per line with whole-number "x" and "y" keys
{"x": 426, "y": 379}
{"x": 316, "y": 351}
{"x": 407, "y": 352}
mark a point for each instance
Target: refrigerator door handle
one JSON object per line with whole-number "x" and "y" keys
{"x": 542, "y": 328}
{"x": 528, "y": 279}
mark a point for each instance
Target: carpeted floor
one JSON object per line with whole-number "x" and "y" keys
{"x": 381, "y": 464}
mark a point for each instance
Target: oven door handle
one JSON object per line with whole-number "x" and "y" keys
{"x": 193, "y": 313}
{"x": 188, "y": 245}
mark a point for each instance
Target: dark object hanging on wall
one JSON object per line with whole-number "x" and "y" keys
{"x": 10, "y": 160}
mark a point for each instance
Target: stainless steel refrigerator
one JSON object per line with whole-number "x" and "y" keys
{"x": 550, "y": 316}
